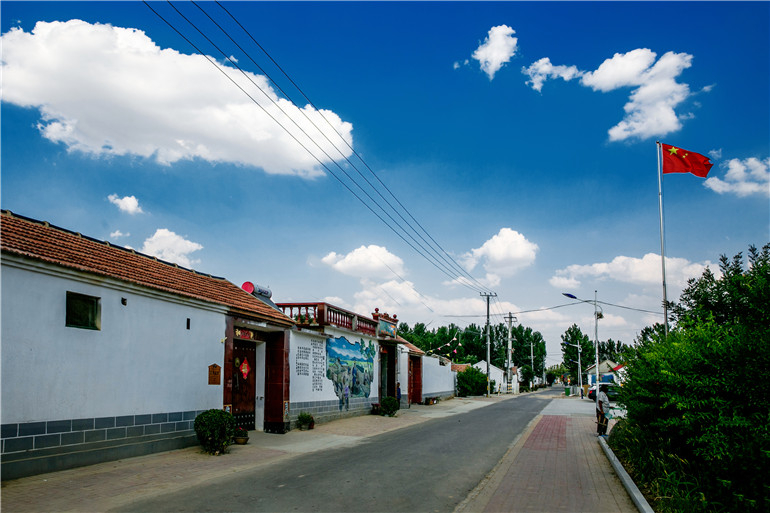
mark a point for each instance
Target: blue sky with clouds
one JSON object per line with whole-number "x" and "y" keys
{"x": 498, "y": 146}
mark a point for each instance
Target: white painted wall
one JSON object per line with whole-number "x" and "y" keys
{"x": 402, "y": 373}
{"x": 436, "y": 378}
{"x": 143, "y": 360}
{"x": 311, "y": 349}
{"x": 495, "y": 373}
{"x": 304, "y": 346}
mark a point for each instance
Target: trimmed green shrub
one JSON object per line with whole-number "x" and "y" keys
{"x": 215, "y": 430}
{"x": 471, "y": 382}
{"x": 304, "y": 419}
{"x": 389, "y": 406}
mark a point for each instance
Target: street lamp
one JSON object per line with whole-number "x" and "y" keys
{"x": 580, "y": 372}
{"x": 598, "y": 314}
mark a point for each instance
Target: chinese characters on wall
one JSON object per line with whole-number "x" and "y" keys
{"x": 302, "y": 362}
{"x": 319, "y": 365}
{"x": 311, "y": 361}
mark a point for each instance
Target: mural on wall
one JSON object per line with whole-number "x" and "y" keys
{"x": 350, "y": 366}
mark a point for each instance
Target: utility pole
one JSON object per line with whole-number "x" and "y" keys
{"x": 488, "y": 295}
{"x": 596, "y": 340}
{"x": 511, "y": 319}
{"x": 532, "y": 362}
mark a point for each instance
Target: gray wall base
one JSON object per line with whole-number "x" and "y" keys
{"x": 29, "y": 463}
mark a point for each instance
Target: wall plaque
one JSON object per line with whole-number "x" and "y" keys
{"x": 215, "y": 374}
{"x": 245, "y": 334}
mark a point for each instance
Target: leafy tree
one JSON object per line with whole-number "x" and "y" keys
{"x": 469, "y": 345}
{"x": 553, "y": 372}
{"x": 527, "y": 374}
{"x": 474, "y": 345}
{"x": 649, "y": 335}
{"x": 575, "y": 337}
{"x": 738, "y": 297}
{"x": 612, "y": 350}
{"x": 697, "y": 416}
{"x": 521, "y": 338}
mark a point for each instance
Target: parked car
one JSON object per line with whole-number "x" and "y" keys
{"x": 613, "y": 392}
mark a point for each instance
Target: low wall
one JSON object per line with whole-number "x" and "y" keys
{"x": 325, "y": 411}
{"x": 438, "y": 381}
{"x": 30, "y": 448}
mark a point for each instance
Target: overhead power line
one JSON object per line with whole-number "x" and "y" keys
{"x": 562, "y": 306}
{"x": 304, "y": 132}
{"x": 446, "y": 265}
{"x": 446, "y": 257}
{"x": 452, "y": 274}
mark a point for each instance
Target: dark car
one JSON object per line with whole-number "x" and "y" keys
{"x": 613, "y": 392}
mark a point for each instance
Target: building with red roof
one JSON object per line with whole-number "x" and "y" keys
{"x": 107, "y": 352}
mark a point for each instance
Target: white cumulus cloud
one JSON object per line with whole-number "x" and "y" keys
{"x": 127, "y": 204}
{"x": 105, "y": 91}
{"x": 542, "y": 70}
{"x": 622, "y": 70}
{"x": 497, "y": 49}
{"x": 655, "y": 95}
{"x": 168, "y": 246}
{"x": 564, "y": 282}
{"x": 744, "y": 177}
{"x": 640, "y": 271}
{"x": 502, "y": 256}
{"x": 366, "y": 262}
{"x": 117, "y": 234}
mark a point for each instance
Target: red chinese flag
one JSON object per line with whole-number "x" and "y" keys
{"x": 677, "y": 160}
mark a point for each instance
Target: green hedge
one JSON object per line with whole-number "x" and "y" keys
{"x": 472, "y": 382}
{"x": 215, "y": 430}
{"x": 697, "y": 434}
{"x": 389, "y": 406}
{"x": 698, "y": 419}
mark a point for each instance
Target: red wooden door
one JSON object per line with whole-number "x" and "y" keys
{"x": 244, "y": 383}
{"x": 415, "y": 379}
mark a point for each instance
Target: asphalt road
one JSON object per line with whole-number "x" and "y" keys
{"x": 427, "y": 467}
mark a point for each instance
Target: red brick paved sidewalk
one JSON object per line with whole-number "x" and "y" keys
{"x": 557, "y": 465}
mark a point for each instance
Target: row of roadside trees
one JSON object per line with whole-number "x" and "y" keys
{"x": 470, "y": 344}
{"x": 574, "y": 338}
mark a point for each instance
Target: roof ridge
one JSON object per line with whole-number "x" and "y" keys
{"x": 46, "y": 224}
{"x": 27, "y": 237}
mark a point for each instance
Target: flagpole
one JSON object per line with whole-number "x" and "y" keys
{"x": 662, "y": 244}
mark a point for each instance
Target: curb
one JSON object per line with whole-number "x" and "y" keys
{"x": 636, "y": 496}
{"x": 480, "y": 496}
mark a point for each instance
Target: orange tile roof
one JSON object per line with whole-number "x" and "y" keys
{"x": 413, "y": 349}
{"x": 40, "y": 241}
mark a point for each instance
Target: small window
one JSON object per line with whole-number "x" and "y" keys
{"x": 83, "y": 311}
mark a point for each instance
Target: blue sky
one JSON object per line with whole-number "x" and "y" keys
{"x": 520, "y": 136}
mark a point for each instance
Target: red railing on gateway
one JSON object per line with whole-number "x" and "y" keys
{"x": 367, "y": 326}
{"x": 324, "y": 314}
